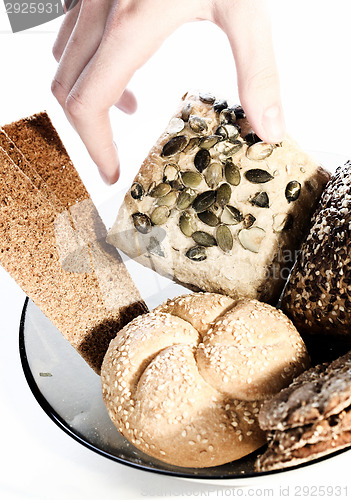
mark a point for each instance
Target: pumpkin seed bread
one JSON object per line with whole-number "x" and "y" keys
{"x": 310, "y": 418}
{"x": 216, "y": 209}
{"x": 90, "y": 304}
{"x": 318, "y": 295}
{"x": 185, "y": 382}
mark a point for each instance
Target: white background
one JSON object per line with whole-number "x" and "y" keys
{"x": 313, "y": 45}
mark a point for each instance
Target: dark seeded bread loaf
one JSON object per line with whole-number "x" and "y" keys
{"x": 318, "y": 295}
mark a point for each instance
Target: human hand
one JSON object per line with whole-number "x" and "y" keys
{"x": 98, "y": 53}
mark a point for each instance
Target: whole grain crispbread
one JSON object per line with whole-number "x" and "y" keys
{"x": 41, "y": 145}
{"x": 40, "y": 221}
{"x": 318, "y": 393}
{"x": 310, "y": 418}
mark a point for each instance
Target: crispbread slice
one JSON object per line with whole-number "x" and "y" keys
{"x": 309, "y": 419}
{"x": 19, "y": 159}
{"x": 74, "y": 302}
{"x": 74, "y": 254}
{"x": 39, "y": 142}
{"x": 320, "y": 392}
{"x": 271, "y": 460}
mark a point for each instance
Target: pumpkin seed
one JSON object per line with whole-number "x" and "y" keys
{"x": 228, "y": 148}
{"x": 259, "y": 151}
{"x": 168, "y": 200}
{"x": 231, "y": 215}
{"x": 232, "y": 173}
{"x": 185, "y": 199}
{"x": 192, "y": 144}
{"x": 155, "y": 248}
{"x": 209, "y": 218}
{"x": 177, "y": 184}
{"x": 209, "y": 141}
{"x": 292, "y": 191}
{"x": 281, "y": 222}
{"x": 232, "y": 131}
{"x": 239, "y": 112}
{"x": 202, "y": 159}
{"x": 191, "y": 179}
{"x": 142, "y": 223}
{"x": 223, "y": 195}
{"x": 249, "y": 220}
{"x": 252, "y": 138}
{"x": 160, "y": 190}
{"x": 227, "y": 116}
{"x": 151, "y": 187}
{"x": 252, "y": 238}
{"x": 207, "y": 98}
{"x": 174, "y": 145}
{"x": 204, "y": 201}
{"x": 219, "y": 105}
{"x": 224, "y": 238}
{"x": 258, "y": 176}
{"x": 221, "y": 131}
{"x": 160, "y": 215}
{"x": 170, "y": 172}
{"x": 197, "y": 124}
{"x": 186, "y": 224}
{"x": 204, "y": 239}
{"x": 186, "y": 111}
{"x": 197, "y": 254}
{"x": 260, "y": 200}
{"x": 137, "y": 191}
{"x": 213, "y": 175}
{"x": 175, "y": 126}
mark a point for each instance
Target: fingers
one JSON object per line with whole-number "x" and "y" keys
{"x": 130, "y": 38}
{"x": 82, "y": 44}
{"x": 65, "y": 31}
{"x": 247, "y": 26}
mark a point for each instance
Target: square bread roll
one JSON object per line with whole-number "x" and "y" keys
{"x": 216, "y": 209}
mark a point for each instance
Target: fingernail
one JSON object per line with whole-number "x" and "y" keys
{"x": 273, "y": 123}
{"x": 111, "y": 176}
{"x": 107, "y": 179}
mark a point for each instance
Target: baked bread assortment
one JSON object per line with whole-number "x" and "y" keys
{"x": 202, "y": 379}
{"x": 185, "y": 382}
{"x": 318, "y": 295}
{"x": 39, "y": 187}
{"x": 216, "y": 209}
{"x": 310, "y": 418}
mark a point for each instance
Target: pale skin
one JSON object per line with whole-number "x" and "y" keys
{"x": 98, "y": 55}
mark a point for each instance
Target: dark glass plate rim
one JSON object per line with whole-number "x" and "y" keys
{"x": 60, "y": 422}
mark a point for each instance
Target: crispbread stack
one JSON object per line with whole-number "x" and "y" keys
{"x": 45, "y": 206}
{"x": 309, "y": 419}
